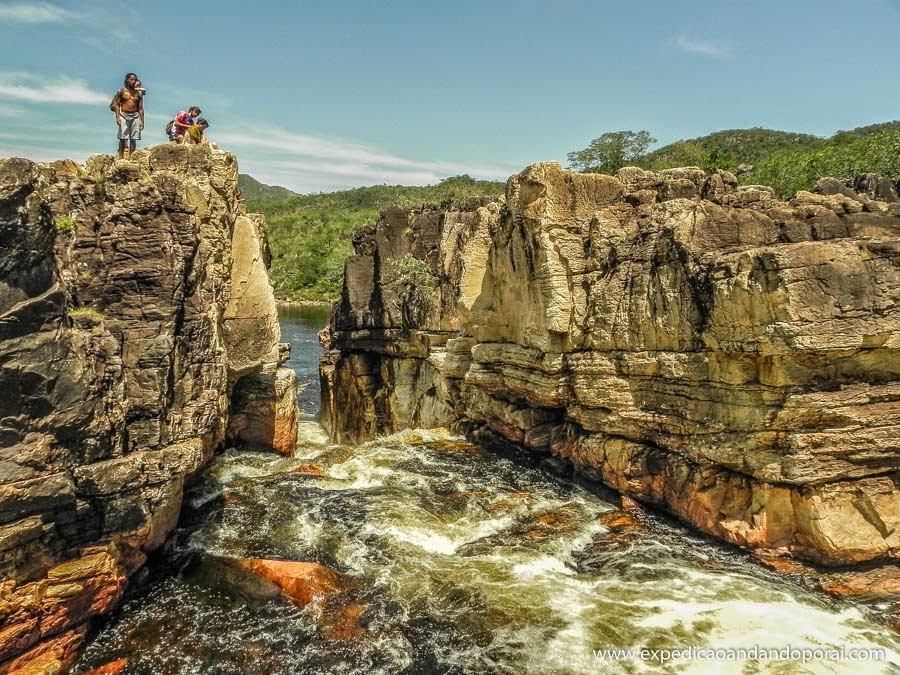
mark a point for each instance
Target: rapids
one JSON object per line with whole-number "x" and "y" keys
{"x": 464, "y": 562}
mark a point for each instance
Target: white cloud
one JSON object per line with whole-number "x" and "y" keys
{"x": 38, "y": 153}
{"x": 157, "y": 119}
{"x": 83, "y": 23}
{"x": 22, "y": 138}
{"x": 310, "y": 146}
{"x": 101, "y": 44}
{"x": 685, "y": 44}
{"x": 34, "y": 12}
{"x": 32, "y": 88}
{"x": 334, "y": 164}
{"x": 354, "y": 174}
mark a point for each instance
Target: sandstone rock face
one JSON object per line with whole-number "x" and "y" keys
{"x": 128, "y": 290}
{"x": 706, "y": 348}
{"x": 264, "y": 410}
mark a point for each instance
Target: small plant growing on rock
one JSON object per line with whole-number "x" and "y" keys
{"x": 64, "y": 224}
{"x": 414, "y": 281}
{"x": 410, "y": 271}
{"x": 86, "y": 315}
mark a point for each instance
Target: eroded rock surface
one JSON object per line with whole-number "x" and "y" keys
{"x": 704, "y": 347}
{"x": 133, "y": 300}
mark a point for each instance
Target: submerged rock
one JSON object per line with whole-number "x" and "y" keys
{"x": 309, "y": 470}
{"x": 533, "y": 530}
{"x": 322, "y": 589}
{"x": 880, "y": 583}
{"x": 111, "y": 668}
{"x": 619, "y": 520}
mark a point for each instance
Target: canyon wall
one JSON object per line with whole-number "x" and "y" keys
{"x": 702, "y": 347}
{"x": 134, "y": 301}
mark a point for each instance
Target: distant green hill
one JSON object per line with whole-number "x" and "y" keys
{"x": 844, "y": 156}
{"x": 859, "y": 132}
{"x": 252, "y": 189}
{"x": 745, "y": 146}
{"x": 784, "y": 160}
{"x": 309, "y": 235}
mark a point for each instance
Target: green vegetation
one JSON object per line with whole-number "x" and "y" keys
{"x": 410, "y": 271}
{"x": 785, "y": 161}
{"x": 86, "y": 315}
{"x": 64, "y": 224}
{"x": 789, "y": 171}
{"x": 415, "y": 281}
{"x": 611, "y": 151}
{"x": 252, "y": 190}
{"x": 310, "y": 235}
{"x": 744, "y": 146}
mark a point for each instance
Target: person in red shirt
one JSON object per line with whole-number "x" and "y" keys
{"x": 183, "y": 121}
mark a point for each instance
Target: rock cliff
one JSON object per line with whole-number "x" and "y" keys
{"x": 134, "y": 301}
{"x": 709, "y": 349}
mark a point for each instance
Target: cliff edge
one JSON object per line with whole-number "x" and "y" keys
{"x": 709, "y": 349}
{"x": 137, "y": 333}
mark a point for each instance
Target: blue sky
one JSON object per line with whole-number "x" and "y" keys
{"x": 319, "y": 96}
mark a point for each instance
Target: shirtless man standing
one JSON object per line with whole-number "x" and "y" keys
{"x": 129, "y": 111}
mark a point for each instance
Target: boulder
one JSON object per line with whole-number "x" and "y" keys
{"x": 327, "y": 593}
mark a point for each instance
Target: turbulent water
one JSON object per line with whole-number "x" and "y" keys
{"x": 462, "y": 562}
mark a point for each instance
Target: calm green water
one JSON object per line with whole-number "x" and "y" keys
{"x": 465, "y": 562}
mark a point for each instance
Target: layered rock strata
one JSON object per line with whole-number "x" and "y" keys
{"x": 133, "y": 301}
{"x": 699, "y": 346}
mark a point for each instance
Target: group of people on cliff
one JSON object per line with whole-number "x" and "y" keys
{"x": 128, "y": 106}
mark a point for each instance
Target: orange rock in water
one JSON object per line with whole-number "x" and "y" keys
{"x": 302, "y": 582}
{"x": 883, "y": 582}
{"x": 621, "y": 521}
{"x": 309, "y": 470}
{"x": 456, "y": 445}
{"x": 509, "y": 501}
{"x": 342, "y": 623}
{"x": 312, "y": 584}
{"x": 786, "y": 565}
{"x": 549, "y": 523}
{"x": 111, "y": 668}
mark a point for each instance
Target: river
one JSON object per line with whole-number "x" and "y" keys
{"x": 462, "y": 561}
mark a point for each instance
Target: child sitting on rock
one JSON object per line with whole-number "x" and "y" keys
{"x": 194, "y": 134}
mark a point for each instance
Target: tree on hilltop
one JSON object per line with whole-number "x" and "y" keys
{"x": 611, "y": 151}
{"x": 717, "y": 158}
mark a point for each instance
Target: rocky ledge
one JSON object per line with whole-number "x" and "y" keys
{"x": 138, "y": 333}
{"x": 702, "y": 347}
